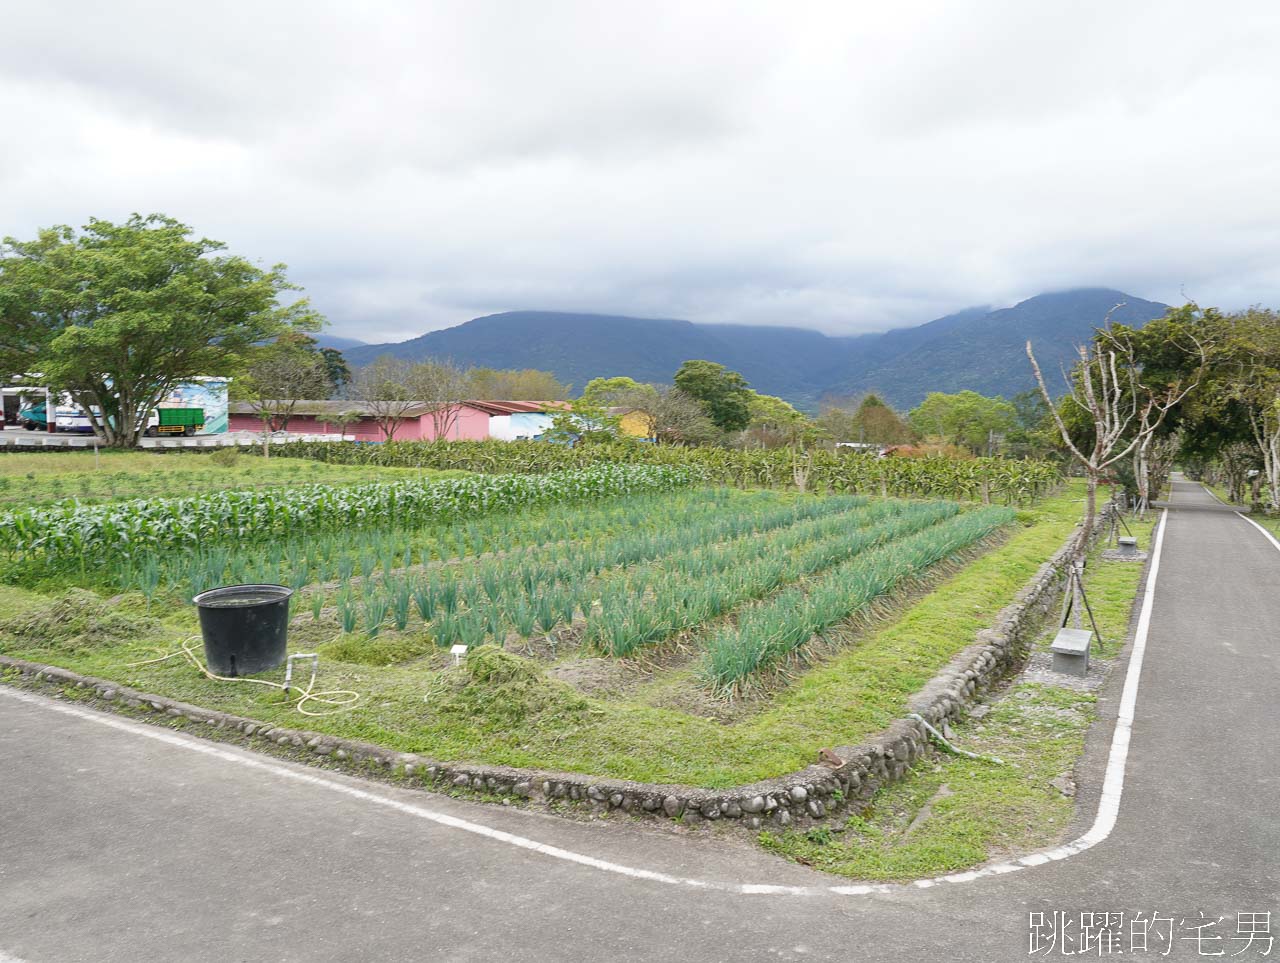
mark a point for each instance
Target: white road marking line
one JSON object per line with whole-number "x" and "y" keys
{"x": 1214, "y": 494}
{"x": 1104, "y": 821}
{"x": 1266, "y": 534}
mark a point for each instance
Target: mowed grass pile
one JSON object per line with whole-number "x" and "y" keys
{"x": 861, "y": 684}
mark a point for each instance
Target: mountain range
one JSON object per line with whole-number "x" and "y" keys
{"x": 978, "y": 348}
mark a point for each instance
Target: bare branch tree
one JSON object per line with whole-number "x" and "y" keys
{"x": 384, "y": 388}
{"x": 677, "y": 418}
{"x": 1124, "y": 412}
{"x": 442, "y": 386}
{"x": 276, "y": 382}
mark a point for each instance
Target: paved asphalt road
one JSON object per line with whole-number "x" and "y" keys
{"x": 125, "y": 842}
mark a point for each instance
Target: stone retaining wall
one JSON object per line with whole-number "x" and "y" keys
{"x": 848, "y": 774}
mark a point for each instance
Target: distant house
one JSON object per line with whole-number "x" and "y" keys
{"x": 633, "y": 422}
{"x": 469, "y": 420}
{"x": 520, "y": 420}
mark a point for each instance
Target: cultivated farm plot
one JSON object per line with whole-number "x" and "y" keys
{"x": 586, "y": 598}
{"x": 751, "y": 577}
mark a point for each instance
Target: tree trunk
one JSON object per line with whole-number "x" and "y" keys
{"x": 1142, "y": 476}
{"x": 1090, "y": 514}
{"x": 1271, "y": 459}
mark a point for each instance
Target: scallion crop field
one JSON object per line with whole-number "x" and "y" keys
{"x": 622, "y": 620}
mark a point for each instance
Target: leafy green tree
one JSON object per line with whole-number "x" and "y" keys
{"x": 1032, "y": 434}
{"x": 776, "y": 423}
{"x": 1247, "y": 365}
{"x": 611, "y": 392}
{"x": 585, "y": 421}
{"x": 723, "y": 394}
{"x": 336, "y": 370}
{"x": 966, "y": 418}
{"x": 121, "y": 314}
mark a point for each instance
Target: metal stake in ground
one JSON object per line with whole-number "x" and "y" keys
{"x": 1075, "y": 586}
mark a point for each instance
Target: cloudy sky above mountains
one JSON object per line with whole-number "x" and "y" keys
{"x": 845, "y": 166}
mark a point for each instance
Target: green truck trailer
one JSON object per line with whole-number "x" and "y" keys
{"x": 175, "y": 421}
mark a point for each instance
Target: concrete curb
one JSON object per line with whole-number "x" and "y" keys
{"x": 812, "y": 793}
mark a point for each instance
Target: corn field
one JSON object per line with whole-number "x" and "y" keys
{"x": 988, "y": 480}
{"x": 69, "y": 536}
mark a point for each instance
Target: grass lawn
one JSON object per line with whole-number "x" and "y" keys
{"x": 954, "y": 813}
{"x": 40, "y": 478}
{"x": 641, "y": 719}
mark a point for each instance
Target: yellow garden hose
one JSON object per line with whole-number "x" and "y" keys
{"x": 339, "y": 699}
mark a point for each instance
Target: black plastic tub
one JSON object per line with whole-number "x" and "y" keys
{"x": 245, "y": 627}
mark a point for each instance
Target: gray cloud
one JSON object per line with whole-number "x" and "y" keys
{"x": 836, "y": 166}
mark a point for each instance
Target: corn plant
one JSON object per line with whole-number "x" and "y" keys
{"x": 70, "y": 533}
{"x": 997, "y": 479}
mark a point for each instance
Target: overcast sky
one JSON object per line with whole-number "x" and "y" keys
{"x": 845, "y": 166}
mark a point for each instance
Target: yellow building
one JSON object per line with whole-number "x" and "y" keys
{"x": 633, "y": 422}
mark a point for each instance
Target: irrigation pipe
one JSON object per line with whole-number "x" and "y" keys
{"x": 948, "y": 746}
{"x": 338, "y": 699}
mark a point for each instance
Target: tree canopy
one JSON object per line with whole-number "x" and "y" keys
{"x": 870, "y": 421}
{"x": 118, "y": 315}
{"x": 965, "y": 418}
{"x": 526, "y": 384}
{"x": 724, "y": 395}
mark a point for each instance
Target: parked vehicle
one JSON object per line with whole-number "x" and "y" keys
{"x": 69, "y": 418}
{"x": 175, "y": 421}
{"x": 32, "y": 417}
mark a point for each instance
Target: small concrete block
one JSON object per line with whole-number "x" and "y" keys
{"x": 1128, "y": 545}
{"x": 1070, "y": 650}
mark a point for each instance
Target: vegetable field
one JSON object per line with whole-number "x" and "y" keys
{"x": 670, "y": 632}
{"x": 742, "y": 583}
{"x": 612, "y": 561}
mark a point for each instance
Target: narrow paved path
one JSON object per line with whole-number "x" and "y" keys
{"x": 119, "y": 846}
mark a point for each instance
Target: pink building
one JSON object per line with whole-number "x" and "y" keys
{"x": 469, "y": 420}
